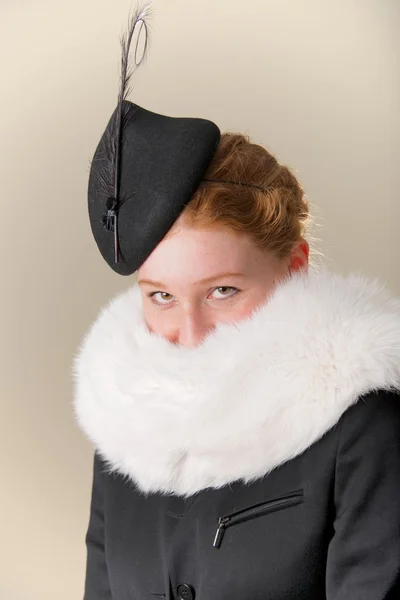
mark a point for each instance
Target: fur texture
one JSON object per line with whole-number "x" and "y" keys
{"x": 252, "y": 396}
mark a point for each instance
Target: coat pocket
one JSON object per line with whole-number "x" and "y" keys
{"x": 255, "y": 511}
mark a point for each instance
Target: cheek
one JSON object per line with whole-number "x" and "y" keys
{"x": 158, "y": 322}
{"x": 256, "y": 299}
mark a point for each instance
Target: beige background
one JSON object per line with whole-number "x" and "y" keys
{"x": 317, "y": 81}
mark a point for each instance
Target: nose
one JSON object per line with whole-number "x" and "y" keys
{"x": 193, "y": 328}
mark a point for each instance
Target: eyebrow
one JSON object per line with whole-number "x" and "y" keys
{"x": 202, "y": 281}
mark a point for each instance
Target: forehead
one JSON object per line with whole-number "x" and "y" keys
{"x": 192, "y": 254}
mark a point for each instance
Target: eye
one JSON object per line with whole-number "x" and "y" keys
{"x": 164, "y": 296}
{"x": 223, "y": 290}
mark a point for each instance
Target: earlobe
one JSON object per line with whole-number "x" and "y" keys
{"x": 299, "y": 258}
{"x": 296, "y": 264}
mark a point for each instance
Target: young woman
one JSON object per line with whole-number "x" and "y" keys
{"x": 245, "y": 412}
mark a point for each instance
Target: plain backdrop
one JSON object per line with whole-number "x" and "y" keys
{"x": 316, "y": 81}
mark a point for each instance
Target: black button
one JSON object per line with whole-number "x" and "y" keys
{"x": 185, "y": 592}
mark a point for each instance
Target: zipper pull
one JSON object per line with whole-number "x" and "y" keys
{"x": 220, "y": 531}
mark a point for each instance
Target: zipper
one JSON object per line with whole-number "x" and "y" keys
{"x": 258, "y": 510}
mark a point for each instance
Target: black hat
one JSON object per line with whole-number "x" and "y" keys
{"x": 145, "y": 170}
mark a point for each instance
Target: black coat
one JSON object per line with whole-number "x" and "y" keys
{"x": 324, "y": 525}
{"x": 263, "y": 464}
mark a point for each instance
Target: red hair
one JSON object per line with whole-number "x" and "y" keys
{"x": 274, "y": 217}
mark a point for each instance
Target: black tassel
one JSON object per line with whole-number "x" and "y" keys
{"x": 107, "y": 174}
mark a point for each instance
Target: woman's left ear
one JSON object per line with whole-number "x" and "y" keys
{"x": 299, "y": 257}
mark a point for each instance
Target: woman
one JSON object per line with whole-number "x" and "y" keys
{"x": 245, "y": 413}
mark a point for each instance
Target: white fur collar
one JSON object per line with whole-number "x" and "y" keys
{"x": 255, "y": 394}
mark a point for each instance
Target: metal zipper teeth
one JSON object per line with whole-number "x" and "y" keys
{"x": 247, "y": 514}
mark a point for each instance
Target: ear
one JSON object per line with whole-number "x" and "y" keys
{"x": 299, "y": 257}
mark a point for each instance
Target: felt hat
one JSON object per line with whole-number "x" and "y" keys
{"x": 145, "y": 169}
